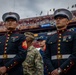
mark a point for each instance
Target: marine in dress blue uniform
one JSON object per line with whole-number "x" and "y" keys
{"x": 12, "y": 49}
{"x": 60, "y": 54}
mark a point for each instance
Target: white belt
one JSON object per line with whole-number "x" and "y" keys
{"x": 60, "y": 56}
{"x": 7, "y": 56}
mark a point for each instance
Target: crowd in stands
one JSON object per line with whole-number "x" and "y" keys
{"x": 34, "y": 22}
{"x": 40, "y": 48}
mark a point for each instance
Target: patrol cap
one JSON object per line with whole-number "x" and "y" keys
{"x": 12, "y": 15}
{"x": 29, "y": 34}
{"x": 64, "y": 13}
{"x": 41, "y": 38}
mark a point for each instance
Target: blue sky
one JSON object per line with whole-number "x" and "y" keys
{"x": 32, "y": 8}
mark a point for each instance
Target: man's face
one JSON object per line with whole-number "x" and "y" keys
{"x": 10, "y": 24}
{"x": 41, "y": 43}
{"x": 61, "y": 23}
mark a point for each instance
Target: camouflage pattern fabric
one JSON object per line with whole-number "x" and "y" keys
{"x": 33, "y": 65}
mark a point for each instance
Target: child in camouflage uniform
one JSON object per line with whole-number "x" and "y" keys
{"x": 33, "y": 65}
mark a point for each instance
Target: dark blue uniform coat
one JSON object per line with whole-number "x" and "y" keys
{"x": 61, "y": 52}
{"x": 45, "y": 69}
{"x": 12, "y": 53}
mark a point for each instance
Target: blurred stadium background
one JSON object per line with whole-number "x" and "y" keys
{"x": 41, "y": 25}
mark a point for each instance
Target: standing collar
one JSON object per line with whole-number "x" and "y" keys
{"x": 61, "y": 31}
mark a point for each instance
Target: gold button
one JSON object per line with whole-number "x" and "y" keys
{"x": 67, "y": 65}
{"x": 59, "y": 56}
{"x": 6, "y": 40}
{"x": 5, "y": 47}
{"x": 14, "y": 62}
{"x": 70, "y": 62}
{"x": 48, "y": 72}
{"x": 6, "y": 44}
{"x": 66, "y": 40}
{"x": 7, "y": 37}
{"x": 60, "y": 34}
{"x": 58, "y": 48}
{"x": 59, "y": 44}
{"x": 4, "y": 56}
{"x": 11, "y": 64}
{"x": 51, "y": 42}
{"x": 7, "y": 67}
{"x": 8, "y": 34}
{"x": 4, "y": 51}
{"x": 58, "y": 51}
{"x": 59, "y": 40}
